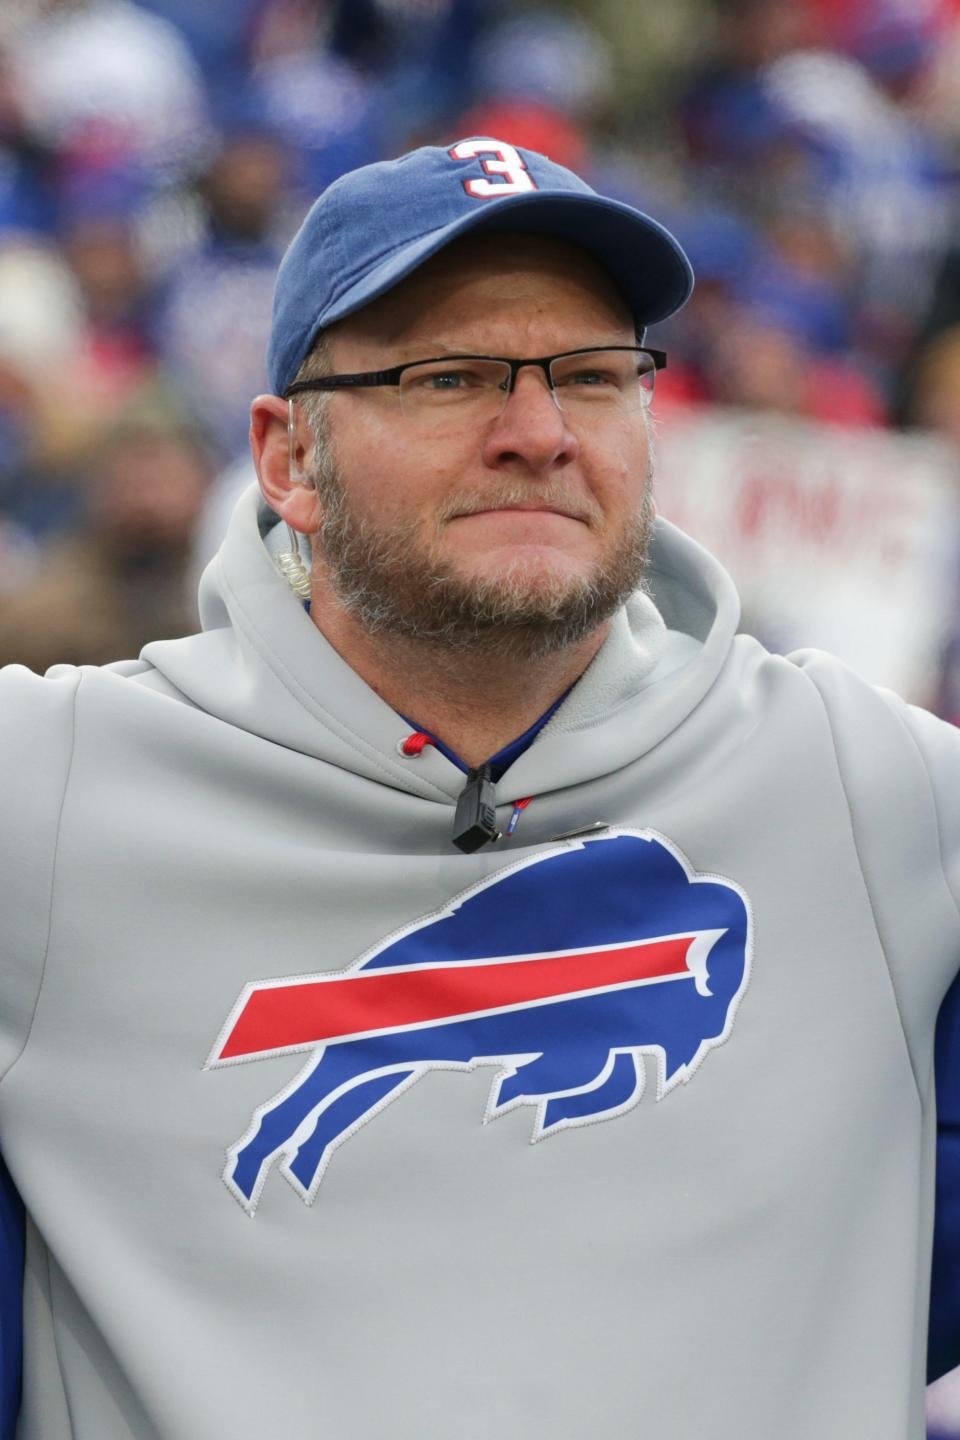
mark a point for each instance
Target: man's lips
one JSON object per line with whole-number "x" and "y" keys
{"x": 563, "y": 512}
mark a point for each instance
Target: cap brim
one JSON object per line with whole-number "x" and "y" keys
{"x": 645, "y": 262}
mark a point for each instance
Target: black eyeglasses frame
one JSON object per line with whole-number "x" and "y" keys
{"x": 369, "y": 378}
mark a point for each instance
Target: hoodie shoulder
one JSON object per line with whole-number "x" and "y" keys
{"x": 889, "y": 749}
{"x": 900, "y": 771}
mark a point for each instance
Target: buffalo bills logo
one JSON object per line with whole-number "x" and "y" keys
{"x": 562, "y": 971}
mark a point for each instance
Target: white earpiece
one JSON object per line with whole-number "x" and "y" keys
{"x": 290, "y": 564}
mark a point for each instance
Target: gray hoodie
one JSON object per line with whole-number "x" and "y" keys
{"x": 273, "y": 1052}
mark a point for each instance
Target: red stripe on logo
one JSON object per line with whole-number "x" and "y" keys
{"x": 330, "y": 1008}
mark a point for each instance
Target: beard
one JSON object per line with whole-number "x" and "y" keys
{"x": 396, "y": 584}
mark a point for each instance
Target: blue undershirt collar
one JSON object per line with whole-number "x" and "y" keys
{"x": 503, "y": 759}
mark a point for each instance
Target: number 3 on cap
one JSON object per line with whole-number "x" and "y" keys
{"x": 505, "y": 162}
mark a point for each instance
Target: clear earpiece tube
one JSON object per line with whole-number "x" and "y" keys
{"x": 290, "y": 561}
{"x": 295, "y": 477}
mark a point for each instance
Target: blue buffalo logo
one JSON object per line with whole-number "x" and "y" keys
{"x": 562, "y": 971}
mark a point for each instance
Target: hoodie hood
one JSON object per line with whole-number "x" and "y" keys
{"x": 263, "y": 666}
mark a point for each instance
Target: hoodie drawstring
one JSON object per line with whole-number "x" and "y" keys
{"x": 414, "y": 744}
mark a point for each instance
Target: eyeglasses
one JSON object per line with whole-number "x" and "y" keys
{"x": 473, "y": 388}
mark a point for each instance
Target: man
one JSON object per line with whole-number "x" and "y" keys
{"x": 494, "y": 819}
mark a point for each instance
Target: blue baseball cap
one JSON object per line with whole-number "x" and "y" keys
{"x": 374, "y": 226}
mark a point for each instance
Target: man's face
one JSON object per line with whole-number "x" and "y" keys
{"x": 529, "y": 528}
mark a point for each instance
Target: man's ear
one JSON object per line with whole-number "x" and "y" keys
{"x": 280, "y": 441}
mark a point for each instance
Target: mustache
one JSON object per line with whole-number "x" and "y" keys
{"x": 521, "y": 497}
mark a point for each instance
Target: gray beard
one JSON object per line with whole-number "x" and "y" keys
{"x": 393, "y": 585}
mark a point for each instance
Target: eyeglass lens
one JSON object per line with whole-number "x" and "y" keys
{"x": 596, "y": 380}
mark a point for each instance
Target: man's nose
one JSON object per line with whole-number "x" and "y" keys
{"x": 531, "y": 427}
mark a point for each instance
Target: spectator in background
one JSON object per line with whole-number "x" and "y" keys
{"x": 327, "y": 113}
{"x": 778, "y": 115}
{"x": 116, "y": 353}
{"x": 421, "y": 51}
{"x": 120, "y": 579}
{"x": 219, "y": 296}
{"x": 41, "y": 324}
{"x": 219, "y": 32}
{"x": 781, "y": 349}
{"x": 543, "y": 79}
{"x": 106, "y": 75}
{"x": 935, "y": 386}
{"x": 27, "y": 185}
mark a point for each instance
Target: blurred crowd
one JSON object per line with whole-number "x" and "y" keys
{"x": 156, "y": 157}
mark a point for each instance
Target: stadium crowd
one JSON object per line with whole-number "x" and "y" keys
{"x": 156, "y": 157}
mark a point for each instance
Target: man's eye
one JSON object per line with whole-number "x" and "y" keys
{"x": 447, "y": 378}
{"x": 589, "y": 377}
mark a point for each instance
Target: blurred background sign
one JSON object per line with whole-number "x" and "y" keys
{"x": 840, "y": 539}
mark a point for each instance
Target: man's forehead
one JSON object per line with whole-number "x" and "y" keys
{"x": 474, "y": 274}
